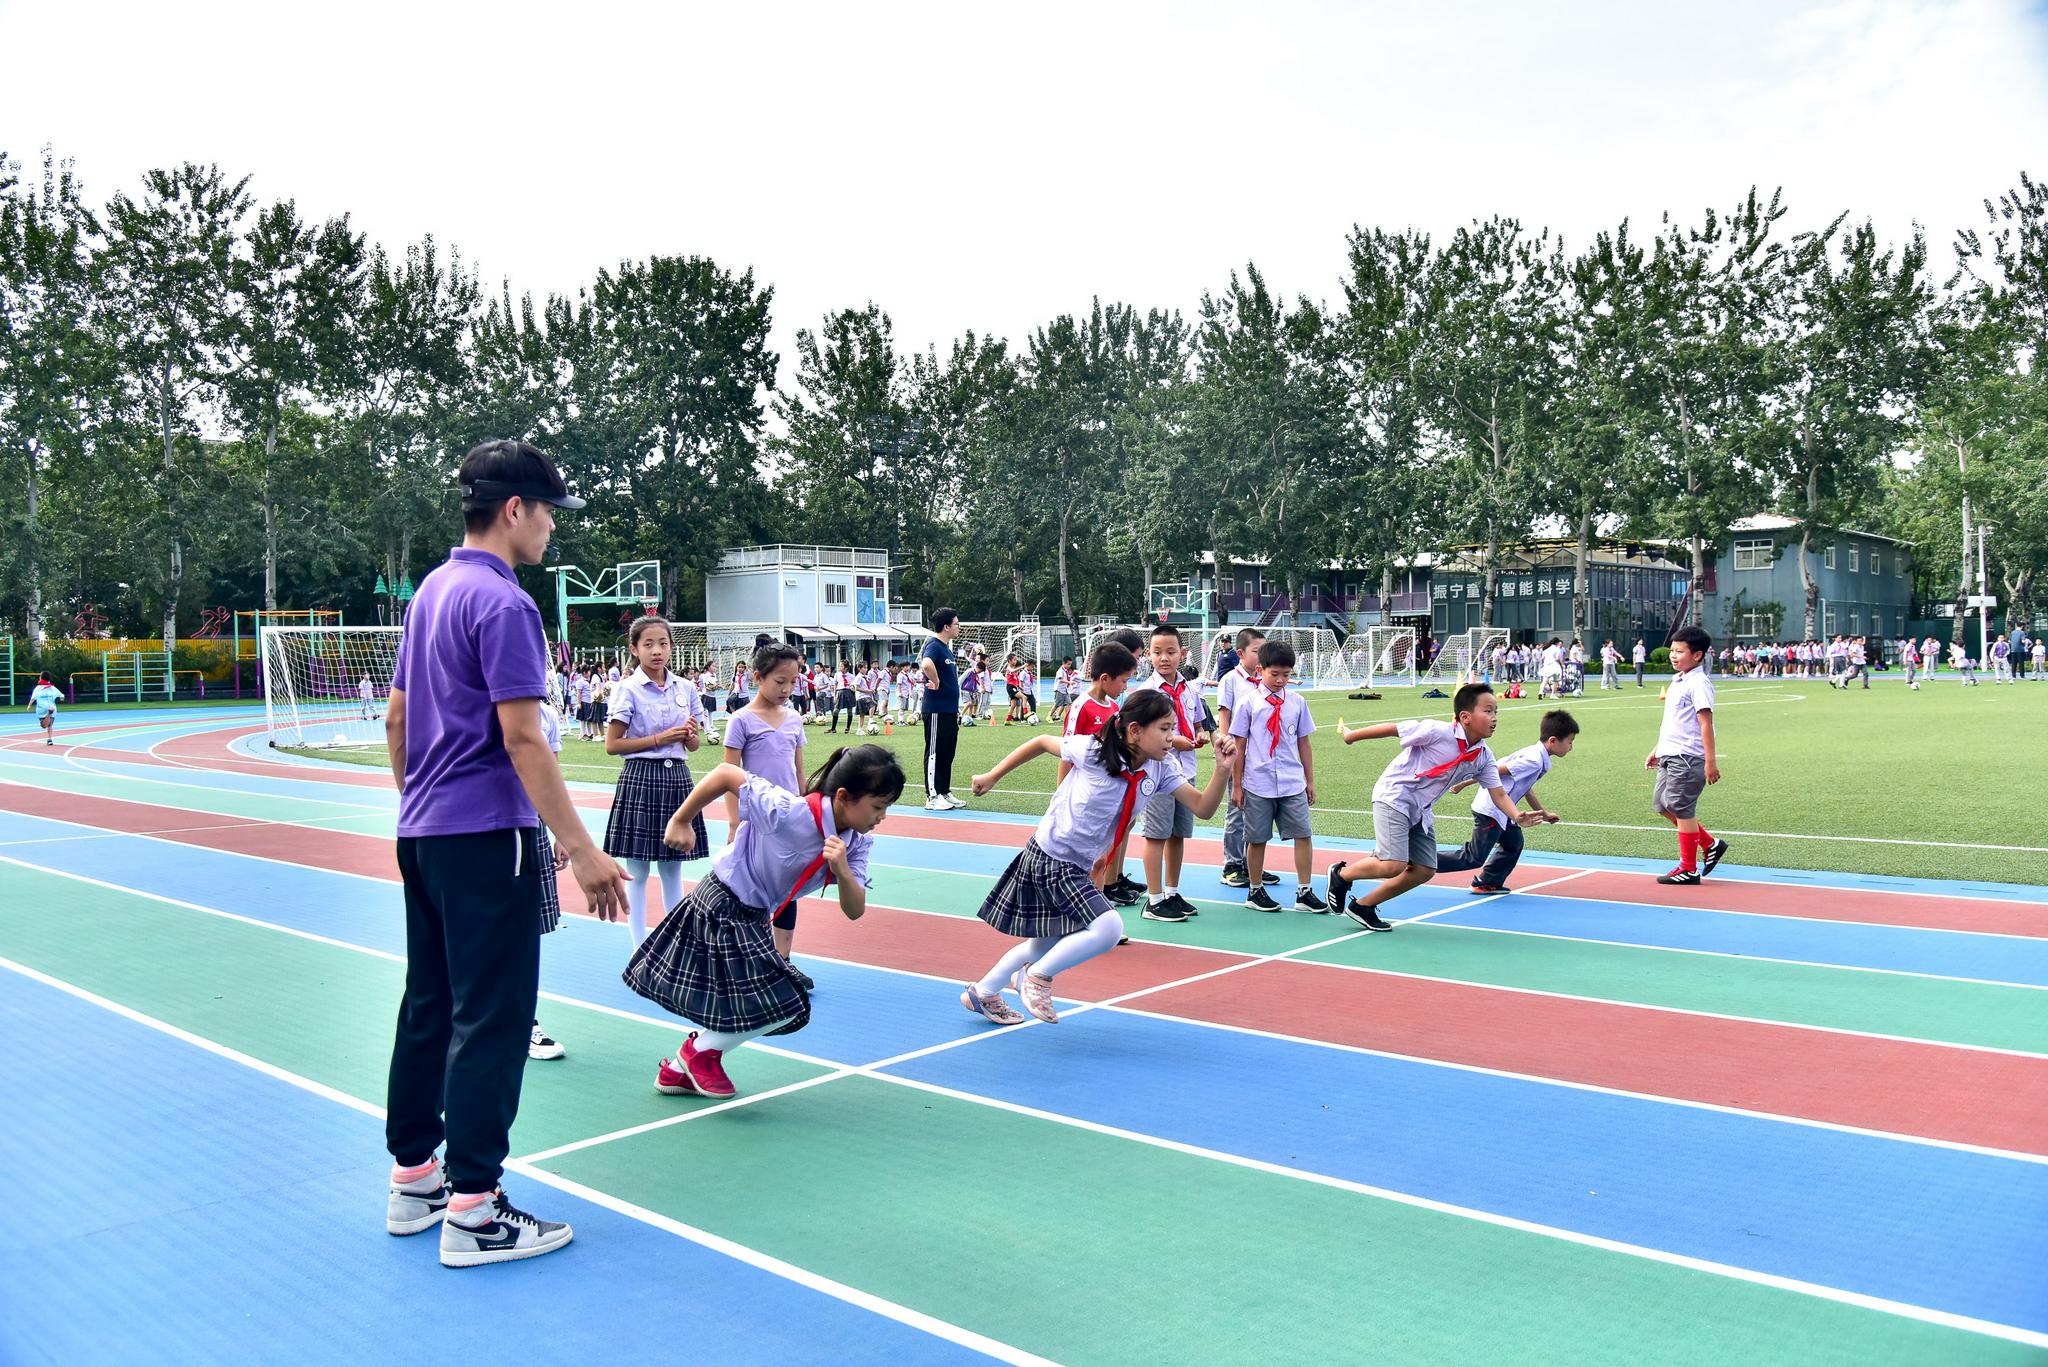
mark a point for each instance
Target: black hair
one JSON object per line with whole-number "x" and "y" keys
{"x": 862, "y": 770}
{"x": 1129, "y": 640}
{"x": 47, "y": 679}
{"x": 1467, "y": 697}
{"x": 1142, "y": 710}
{"x": 1166, "y": 629}
{"x": 1556, "y": 726}
{"x": 642, "y": 625}
{"x": 1276, "y": 654}
{"x": 943, "y": 618}
{"x": 772, "y": 657}
{"x": 1246, "y": 636}
{"x": 1696, "y": 638}
{"x": 1111, "y": 659}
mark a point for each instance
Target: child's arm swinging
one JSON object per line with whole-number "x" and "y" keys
{"x": 1205, "y": 802}
{"x": 1379, "y": 730}
{"x": 1023, "y": 754}
{"x": 723, "y": 781}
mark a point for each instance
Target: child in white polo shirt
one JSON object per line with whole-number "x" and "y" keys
{"x": 1434, "y": 755}
{"x": 1275, "y": 778}
{"x": 1496, "y": 845}
{"x": 1684, "y": 758}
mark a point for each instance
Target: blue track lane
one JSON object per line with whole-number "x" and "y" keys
{"x": 198, "y": 1211}
{"x": 1935, "y": 1227}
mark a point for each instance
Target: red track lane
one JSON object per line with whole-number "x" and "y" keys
{"x": 1924, "y": 1089}
{"x": 1903, "y": 1087}
{"x": 1927, "y": 911}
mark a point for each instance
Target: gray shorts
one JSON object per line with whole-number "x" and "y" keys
{"x": 1400, "y": 841}
{"x": 1166, "y": 819}
{"x": 1263, "y": 814}
{"x": 1680, "y": 781}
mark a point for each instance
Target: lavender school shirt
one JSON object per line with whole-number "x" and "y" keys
{"x": 472, "y": 640}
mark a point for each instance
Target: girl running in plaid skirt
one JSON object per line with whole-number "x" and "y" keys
{"x": 654, "y": 718}
{"x": 767, "y": 741}
{"x": 1046, "y": 896}
{"x": 712, "y": 960}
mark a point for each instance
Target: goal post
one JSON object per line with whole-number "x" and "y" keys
{"x": 327, "y": 687}
{"x": 1461, "y": 655}
{"x": 1380, "y": 657}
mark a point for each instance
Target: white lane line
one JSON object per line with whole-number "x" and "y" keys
{"x": 1517, "y": 892}
{"x": 901, "y": 1314}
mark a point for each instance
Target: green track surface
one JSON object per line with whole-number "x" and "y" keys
{"x": 943, "y": 1205}
{"x": 1797, "y": 759}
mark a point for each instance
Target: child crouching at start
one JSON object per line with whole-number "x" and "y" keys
{"x": 713, "y": 959}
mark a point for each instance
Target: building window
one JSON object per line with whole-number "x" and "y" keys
{"x": 835, "y": 594}
{"x": 1440, "y": 619}
{"x": 1758, "y": 626}
{"x": 1855, "y": 615}
{"x": 1876, "y": 562}
{"x": 1754, "y": 555}
{"x": 1827, "y": 626}
{"x": 1828, "y": 559}
{"x": 1546, "y": 614}
{"x": 1855, "y": 559}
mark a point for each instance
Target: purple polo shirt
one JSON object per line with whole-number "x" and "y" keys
{"x": 472, "y": 640}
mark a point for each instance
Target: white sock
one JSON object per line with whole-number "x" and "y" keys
{"x": 725, "y": 1041}
{"x": 1081, "y": 946}
{"x": 1173, "y": 889}
{"x": 1156, "y": 898}
{"x": 1014, "y": 958}
{"x": 636, "y": 898}
{"x": 672, "y": 883}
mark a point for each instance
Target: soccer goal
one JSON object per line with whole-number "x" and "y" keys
{"x": 327, "y": 687}
{"x": 1380, "y": 657}
{"x": 1460, "y": 655}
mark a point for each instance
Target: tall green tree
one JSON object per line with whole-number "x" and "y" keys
{"x": 170, "y": 281}
{"x": 1158, "y": 498}
{"x": 847, "y": 430}
{"x": 953, "y": 401}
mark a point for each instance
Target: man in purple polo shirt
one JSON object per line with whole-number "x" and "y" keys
{"x": 464, "y": 730}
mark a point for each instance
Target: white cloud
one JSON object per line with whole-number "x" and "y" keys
{"x": 988, "y": 167}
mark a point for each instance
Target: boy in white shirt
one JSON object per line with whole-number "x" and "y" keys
{"x": 1496, "y": 845}
{"x": 1610, "y": 666}
{"x": 1637, "y": 654}
{"x": 43, "y": 700}
{"x": 1274, "y": 777}
{"x": 1168, "y": 825}
{"x": 1231, "y": 689}
{"x": 1434, "y": 755}
{"x": 1684, "y": 758}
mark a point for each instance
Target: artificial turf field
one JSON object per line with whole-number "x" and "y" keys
{"x": 1783, "y": 1117}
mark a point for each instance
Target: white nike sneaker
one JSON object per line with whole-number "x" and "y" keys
{"x": 540, "y": 1046}
{"x": 498, "y": 1232}
{"x": 418, "y": 1205}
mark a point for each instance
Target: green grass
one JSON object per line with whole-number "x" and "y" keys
{"x": 1820, "y": 771}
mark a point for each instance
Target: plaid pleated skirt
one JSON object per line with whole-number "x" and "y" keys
{"x": 550, "y": 899}
{"x": 712, "y": 961}
{"x": 1040, "y": 895}
{"x": 648, "y": 794}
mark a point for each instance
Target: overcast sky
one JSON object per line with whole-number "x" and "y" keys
{"x": 989, "y": 166}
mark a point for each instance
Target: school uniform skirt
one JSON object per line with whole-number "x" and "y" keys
{"x": 648, "y": 794}
{"x": 712, "y": 961}
{"x": 1040, "y": 895}
{"x": 550, "y": 898}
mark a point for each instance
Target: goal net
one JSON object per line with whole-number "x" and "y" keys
{"x": 326, "y": 687}
{"x": 1461, "y": 654}
{"x": 1379, "y": 657}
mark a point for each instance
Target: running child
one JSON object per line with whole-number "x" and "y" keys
{"x": 970, "y": 694}
{"x": 767, "y": 741}
{"x": 1434, "y": 755}
{"x": 42, "y": 700}
{"x": 1064, "y": 685}
{"x": 1047, "y": 897}
{"x": 1274, "y": 777}
{"x": 1684, "y": 758}
{"x": 1168, "y": 824}
{"x": 1496, "y": 845}
{"x": 1023, "y": 706}
{"x": 651, "y": 719}
{"x": 366, "y": 697}
{"x": 713, "y": 961}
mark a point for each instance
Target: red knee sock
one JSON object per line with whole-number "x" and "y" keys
{"x": 1706, "y": 839}
{"x": 1687, "y": 843}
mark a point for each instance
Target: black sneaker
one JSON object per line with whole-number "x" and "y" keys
{"x": 1365, "y": 916}
{"x": 1187, "y": 908}
{"x": 1130, "y": 885}
{"x": 810, "y": 984}
{"x": 1261, "y": 900}
{"x": 1234, "y": 876}
{"x": 1712, "y": 856}
{"x": 1270, "y": 879}
{"x": 1685, "y": 877}
{"x": 1164, "y": 910}
{"x": 1122, "y": 896}
{"x": 1305, "y": 899}
{"x": 1340, "y": 886}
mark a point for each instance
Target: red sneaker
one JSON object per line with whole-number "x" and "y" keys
{"x": 670, "y": 1082}
{"x": 707, "y": 1071}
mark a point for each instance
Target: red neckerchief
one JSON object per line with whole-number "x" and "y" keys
{"x": 816, "y": 802}
{"x": 1180, "y": 718}
{"x": 1278, "y": 702}
{"x": 1123, "y": 817}
{"x": 1464, "y": 753}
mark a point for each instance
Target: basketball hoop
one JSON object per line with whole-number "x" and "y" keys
{"x": 647, "y": 607}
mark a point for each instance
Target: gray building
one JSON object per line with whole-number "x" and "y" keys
{"x": 831, "y": 601}
{"x": 1755, "y": 594}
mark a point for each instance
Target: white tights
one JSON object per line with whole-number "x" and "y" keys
{"x": 638, "y": 896}
{"x": 725, "y": 1041}
{"x": 1052, "y": 954}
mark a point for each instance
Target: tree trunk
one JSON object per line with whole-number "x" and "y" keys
{"x": 1145, "y": 563}
{"x": 1582, "y": 603}
{"x": 1809, "y": 589}
{"x": 32, "y": 618}
{"x": 177, "y": 558}
{"x": 1066, "y": 596}
{"x": 269, "y": 517}
{"x": 1017, "y": 591}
